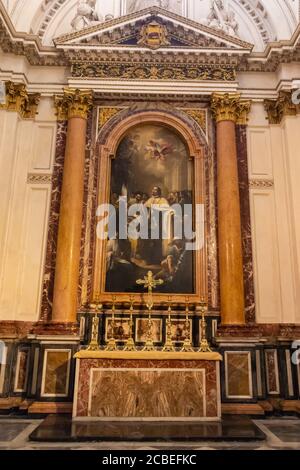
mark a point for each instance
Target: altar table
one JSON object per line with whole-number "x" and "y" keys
{"x": 147, "y": 386}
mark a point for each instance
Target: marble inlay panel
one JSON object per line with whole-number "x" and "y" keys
{"x": 246, "y": 223}
{"x": 57, "y": 179}
{"x": 238, "y": 375}
{"x": 10, "y": 431}
{"x": 83, "y": 390}
{"x": 272, "y": 372}
{"x": 136, "y": 393}
{"x": 55, "y": 382}
{"x": 21, "y": 370}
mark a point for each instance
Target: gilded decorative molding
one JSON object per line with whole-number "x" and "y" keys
{"x": 39, "y": 178}
{"x": 199, "y": 115}
{"x": 19, "y": 101}
{"x": 230, "y": 107}
{"x": 73, "y": 104}
{"x": 105, "y": 114}
{"x": 154, "y": 71}
{"x": 261, "y": 184}
{"x": 283, "y": 106}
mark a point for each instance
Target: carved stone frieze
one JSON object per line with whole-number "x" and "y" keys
{"x": 261, "y": 184}
{"x": 154, "y": 71}
{"x": 39, "y": 178}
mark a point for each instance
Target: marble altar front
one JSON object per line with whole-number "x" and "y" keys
{"x": 147, "y": 386}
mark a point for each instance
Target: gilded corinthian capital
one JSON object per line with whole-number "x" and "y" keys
{"x": 20, "y": 101}
{"x": 230, "y": 107}
{"x": 283, "y": 106}
{"x": 73, "y": 103}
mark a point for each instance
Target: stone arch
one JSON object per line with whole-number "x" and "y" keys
{"x": 112, "y": 132}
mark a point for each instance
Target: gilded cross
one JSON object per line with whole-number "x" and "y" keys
{"x": 150, "y": 283}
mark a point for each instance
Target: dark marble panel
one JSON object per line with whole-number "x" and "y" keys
{"x": 9, "y": 431}
{"x": 48, "y": 285}
{"x": 246, "y": 223}
{"x": 63, "y": 429}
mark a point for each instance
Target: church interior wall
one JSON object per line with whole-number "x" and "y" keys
{"x": 272, "y": 226}
{"x": 26, "y": 168}
{"x": 40, "y": 354}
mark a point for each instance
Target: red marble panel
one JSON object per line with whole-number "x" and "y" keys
{"x": 86, "y": 365}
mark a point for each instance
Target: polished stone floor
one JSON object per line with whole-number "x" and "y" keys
{"x": 281, "y": 433}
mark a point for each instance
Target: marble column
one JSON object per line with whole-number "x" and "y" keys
{"x": 74, "y": 105}
{"x": 228, "y": 109}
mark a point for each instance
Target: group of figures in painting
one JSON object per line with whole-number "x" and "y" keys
{"x": 152, "y": 170}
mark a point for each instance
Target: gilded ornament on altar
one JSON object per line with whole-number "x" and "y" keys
{"x": 154, "y": 35}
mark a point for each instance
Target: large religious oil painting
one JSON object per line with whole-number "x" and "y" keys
{"x": 151, "y": 171}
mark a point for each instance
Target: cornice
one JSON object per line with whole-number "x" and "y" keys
{"x": 30, "y": 46}
{"x": 26, "y": 45}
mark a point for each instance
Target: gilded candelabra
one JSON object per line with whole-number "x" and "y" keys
{"x": 130, "y": 344}
{"x": 112, "y": 344}
{"x": 204, "y": 346}
{"x": 149, "y": 283}
{"x": 97, "y": 306}
{"x": 187, "y": 345}
{"x": 169, "y": 346}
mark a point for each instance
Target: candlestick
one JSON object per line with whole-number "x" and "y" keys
{"x": 130, "y": 344}
{"x": 169, "y": 346}
{"x": 112, "y": 344}
{"x": 187, "y": 345}
{"x": 204, "y": 346}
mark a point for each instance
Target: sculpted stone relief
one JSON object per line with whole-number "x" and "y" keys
{"x": 86, "y": 15}
{"x": 221, "y": 18}
{"x": 171, "y": 5}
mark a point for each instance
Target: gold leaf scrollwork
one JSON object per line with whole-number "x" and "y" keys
{"x": 154, "y": 71}
{"x": 200, "y": 116}
{"x": 105, "y": 114}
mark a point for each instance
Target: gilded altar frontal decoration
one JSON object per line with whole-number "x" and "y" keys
{"x": 152, "y": 174}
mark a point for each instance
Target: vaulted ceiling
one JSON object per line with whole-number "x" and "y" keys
{"x": 259, "y": 21}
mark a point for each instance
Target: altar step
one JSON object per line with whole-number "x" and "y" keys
{"x": 62, "y": 429}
